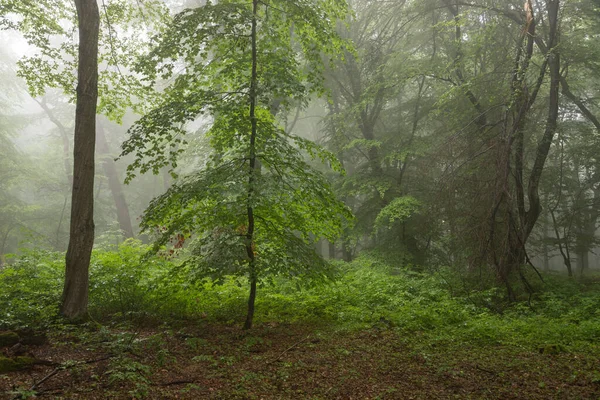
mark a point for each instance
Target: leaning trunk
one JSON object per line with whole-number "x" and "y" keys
{"x": 75, "y": 291}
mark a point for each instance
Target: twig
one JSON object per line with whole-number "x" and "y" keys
{"x": 485, "y": 370}
{"x": 288, "y": 349}
{"x": 45, "y": 378}
{"x": 180, "y": 382}
{"x": 60, "y": 368}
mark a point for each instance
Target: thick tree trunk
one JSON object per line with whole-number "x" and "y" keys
{"x": 114, "y": 183}
{"x": 81, "y": 240}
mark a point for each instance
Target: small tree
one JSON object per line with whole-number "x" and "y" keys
{"x": 255, "y": 206}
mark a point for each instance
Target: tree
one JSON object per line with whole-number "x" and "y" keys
{"x": 107, "y": 160}
{"x": 495, "y": 152}
{"x": 254, "y": 207}
{"x": 379, "y": 98}
{"x": 75, "y": 292}
{"x": 46, "y": 26}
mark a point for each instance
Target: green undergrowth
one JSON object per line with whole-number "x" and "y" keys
{"x": 367, "y": 295}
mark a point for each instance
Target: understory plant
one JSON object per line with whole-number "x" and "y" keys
{"x": 254, "y": 207}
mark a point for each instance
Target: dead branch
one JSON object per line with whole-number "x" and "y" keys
{"x": 288, "y": 349}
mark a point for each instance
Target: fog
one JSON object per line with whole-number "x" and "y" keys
{"x": 420, "y": 107}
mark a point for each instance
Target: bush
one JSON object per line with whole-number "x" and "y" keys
{"x": 367, "y": 294}
{"x": 31, "y": 289}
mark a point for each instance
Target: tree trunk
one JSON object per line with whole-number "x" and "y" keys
{"x": 331, "y": 250}
{"x": 521, "y": 223}
{"x": 564, "y": 250}
{"x": 114, "y": 183}
{"x": 252, "y": 170}
{"x": 75, "y": 292}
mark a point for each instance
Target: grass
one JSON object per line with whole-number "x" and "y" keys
{"x": 370, "y": 334}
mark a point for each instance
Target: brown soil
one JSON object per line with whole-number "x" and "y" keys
{"x": 278, "y": 361}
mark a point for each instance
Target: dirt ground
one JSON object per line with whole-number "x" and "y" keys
{"x": 279, "y": 361}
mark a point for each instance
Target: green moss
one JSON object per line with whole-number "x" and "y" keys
{"x": 17, "y": 364}
{"x": 552, "y": 349}
{"x": 8, "y": 338}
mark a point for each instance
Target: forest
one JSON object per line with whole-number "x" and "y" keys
{"x": 300, "y": 199}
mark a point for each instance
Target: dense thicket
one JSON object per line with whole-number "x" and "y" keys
{"x": 468, "y": 133}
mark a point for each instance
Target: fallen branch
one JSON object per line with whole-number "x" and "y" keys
{"x": 288, "y": 349}
{"x": 180, "y": 382}
{"x": 59, "y": 368}
{"x": 45, "y": 378}
{"x": 485, "y": 370}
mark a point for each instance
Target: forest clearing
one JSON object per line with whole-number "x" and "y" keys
{"x": 300, "y": 199}
{"x": 369, "y": 335}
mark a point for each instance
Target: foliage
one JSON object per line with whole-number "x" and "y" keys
{"x": 48, "y": 26}
{"x": 255, "y": 197}
{"x": 125, "y": 370}
{"x": 398, "y": 211}
{"x": 30, "y": 289}
{"x": 119, "y": 281}
{"x": 368, "y": 294}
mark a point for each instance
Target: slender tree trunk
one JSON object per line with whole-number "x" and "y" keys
{"x": 331, "y": 250}
{"x": 3, "y": 246}
{"x": 75, "y": 292}
{"x": 522, "y": 222}
{"x": 64, "y": 136}
{"x": 252, "y": 272}
{"x": 114, "y": 183}
{"x": 545, "y": 249}
{"x": 564, "y": 250}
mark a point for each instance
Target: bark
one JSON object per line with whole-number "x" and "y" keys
{"x": 252, "y": 272}
{"x": 545, "y": 237}
{"x": 564, "y": 250}
{"x": 75, "y": 292}
{"x": 519, "y": 234}
{"x": 522, "y": 208}
{"x": 114, "y": 183}
{"x": 566, "y": 90}
{"x": 587, "y": 232}
{"x": 551, "y": 122}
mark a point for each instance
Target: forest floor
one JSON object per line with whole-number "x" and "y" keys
{"x": 291, "y": 361}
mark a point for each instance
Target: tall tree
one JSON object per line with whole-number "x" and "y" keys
{"x": 255, "y": 207}
{"x": 75, "y": 292}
